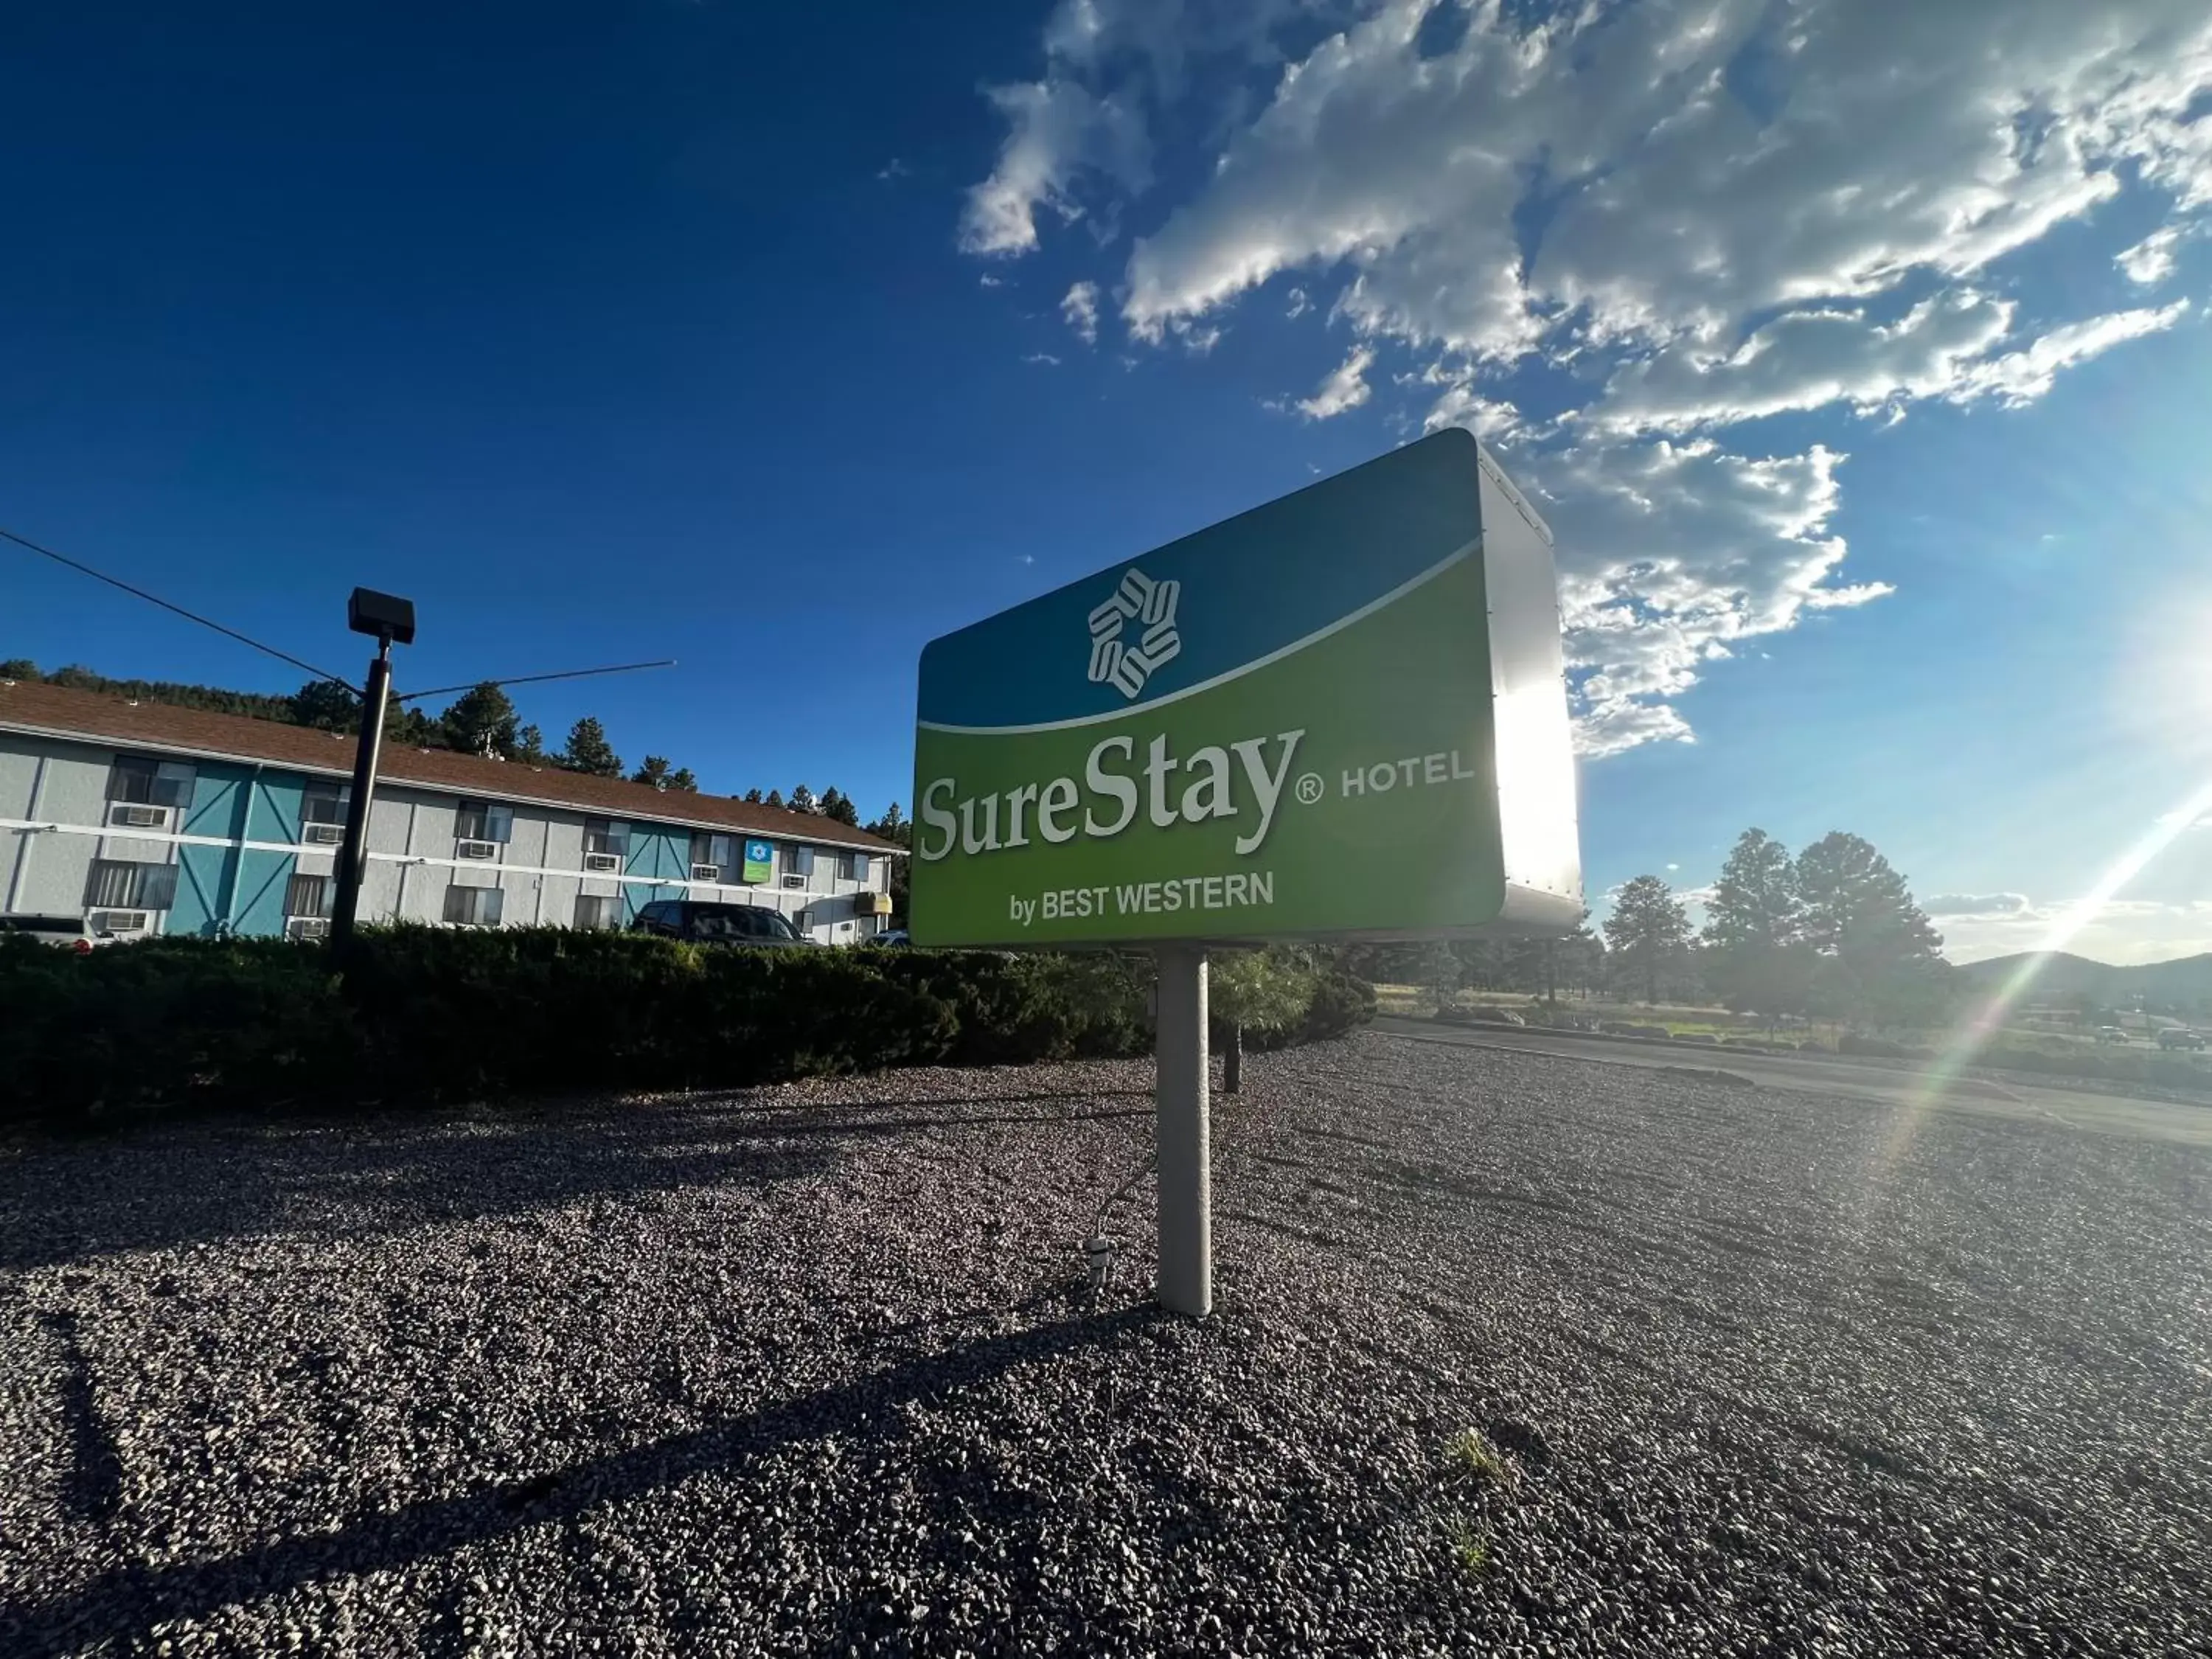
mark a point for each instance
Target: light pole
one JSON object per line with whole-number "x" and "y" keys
{"x": 390, "y": 620}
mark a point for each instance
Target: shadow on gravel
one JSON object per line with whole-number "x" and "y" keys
{"x": 94, "y": 1487}
{"x": 124, "y": 1604}
{"x": 193, "y": 1182}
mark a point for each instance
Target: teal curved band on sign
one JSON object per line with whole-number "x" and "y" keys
{"x": 1240, "y": 670}
{"x": 1189, "y": 613}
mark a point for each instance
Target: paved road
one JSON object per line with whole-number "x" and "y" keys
{"x": 2079, "y": 1107}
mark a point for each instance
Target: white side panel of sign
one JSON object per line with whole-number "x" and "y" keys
{"x": 1538, "y": 828}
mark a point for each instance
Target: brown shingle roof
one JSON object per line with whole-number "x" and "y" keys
{"x": 58, "y": 711}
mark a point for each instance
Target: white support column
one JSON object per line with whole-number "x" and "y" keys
{"x": 1186, "y": 1283}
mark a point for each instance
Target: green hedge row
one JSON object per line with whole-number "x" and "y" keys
{"x": 440, "y": 1014}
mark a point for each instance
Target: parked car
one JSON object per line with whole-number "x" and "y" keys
{"x": 892, "y": 936}
{"x": 2176, "y": 1037}
{"x": 65, "y": 932}
{"x": 2110, "y": 1034}
{"x": 706, "y": 923}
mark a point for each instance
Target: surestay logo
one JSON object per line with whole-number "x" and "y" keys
{"x": 1215, "y": 782}
{"x": 1138, "y": 600}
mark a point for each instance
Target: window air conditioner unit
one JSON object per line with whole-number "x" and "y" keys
{"x": 706, "y": 872}
{"x": 323, "y": 835}
{"x": 118, "y": 921}
{"x": 138, "y": 818}
{"x": 477, "y": 849}
{"x": 308, "y": 928}
{"x": 603, "y": 864}
{"x": 794, "y": 879}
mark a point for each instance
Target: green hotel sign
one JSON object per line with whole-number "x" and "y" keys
{"x": 759, "y": 863}
{"x": 1339, "y": 715}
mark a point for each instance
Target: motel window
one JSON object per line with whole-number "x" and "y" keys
{"x": 478, "y": 820}
{"x": 307, "y": 895}
{"x": 324, "y": 803}
{"x": 799, "y": 860}
{"x": 144, "y": 781}
{"x": 593, "y": 911}
{"x": 121, "y": 884}
{"x": 853, "y": 867}
{"x": 716, "y": 852}
{"x": 473, "y": 907}
{"x": 606, "y": 835}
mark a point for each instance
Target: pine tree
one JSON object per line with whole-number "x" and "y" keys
{"x": 1581, "y": 958}
{"x": 1755, "y": 956}
{"x": 1881, "y": 959}
{"x": 588, "y": 751}
{"x": 893, "y": 826}
{"x": 802, "y": 801}
{"x": 837, "y": 807}
{"x": 682, "y": 783}
{"x": 1647, "y": 932}
{"x": 408, "y": 727}
{"x": 530, "y": 746}
{"x": 482, "y": 722}
{"x": 326, "y": 706}
{"x": 1755, "y": 900}
{"x": 753, "y": 797}
{"x": 654, "y": 770}
{"x": 775, "y": 798}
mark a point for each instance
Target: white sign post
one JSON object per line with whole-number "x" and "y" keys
{"x": 1180, "y": 1101}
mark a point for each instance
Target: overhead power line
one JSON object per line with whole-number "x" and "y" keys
{"x": 188, "y": 616}
{"x": 531, "y": 679}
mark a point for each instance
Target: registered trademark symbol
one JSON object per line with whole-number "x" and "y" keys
{"x": 1310, "y": 787}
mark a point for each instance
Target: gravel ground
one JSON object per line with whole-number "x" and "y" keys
{"x": 806, "y": 1369}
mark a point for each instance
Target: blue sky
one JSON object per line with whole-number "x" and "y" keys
{"x": 1857, "y": 353}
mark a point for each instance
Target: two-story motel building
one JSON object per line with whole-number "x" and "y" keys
{"x": 150, "y": 819}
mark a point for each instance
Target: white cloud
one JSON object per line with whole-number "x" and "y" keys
{"x": 1080, "y": 308}
{"x": 2020, "y": 377}
{"x": 1055, "y": 129}
{"x": 1461, "y": 404}
{"x": 1670, "y": 554}
{"x": 1346, "y": 388}
{"x": 1944, "y": 906}
{"x": 1804, "y": 360}
{"x": 1045, "y": 358}
{"x": 1694, "y": 213}
{"x": 1941, "y": 348}
{"x": 1892, "y": 139}
{"x": 2150, "y": 261}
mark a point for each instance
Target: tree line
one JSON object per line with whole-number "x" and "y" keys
{"x": 1831, "y": 932}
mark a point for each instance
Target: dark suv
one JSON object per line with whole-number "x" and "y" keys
{"x": 706, "y": 923}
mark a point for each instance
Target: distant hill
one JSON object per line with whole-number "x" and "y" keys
{"x": 2185, "y": 979}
